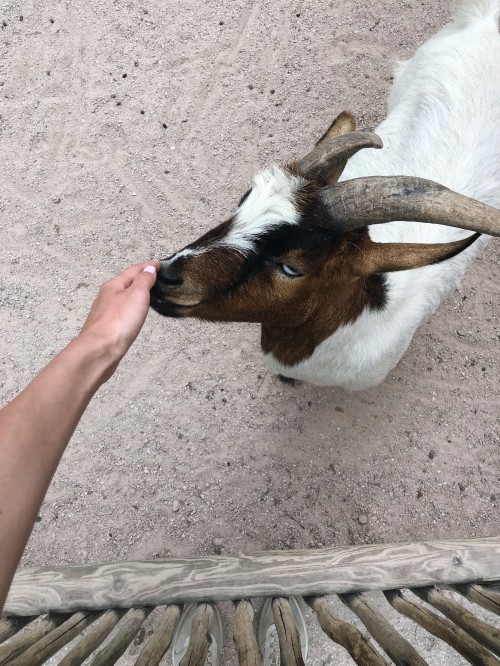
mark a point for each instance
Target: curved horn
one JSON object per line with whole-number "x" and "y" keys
{"x": 328, "y": 158}
{"x": 377, "y": 199}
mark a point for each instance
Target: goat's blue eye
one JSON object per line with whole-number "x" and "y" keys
{"x": 289, "y": 271}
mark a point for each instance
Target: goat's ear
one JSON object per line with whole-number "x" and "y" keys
{"x": 388, "y": 257}
{"x": 344, "y": 123}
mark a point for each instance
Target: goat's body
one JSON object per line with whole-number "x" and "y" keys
{"x": 444, "y": 125}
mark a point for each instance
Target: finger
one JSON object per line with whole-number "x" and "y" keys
{"x": 146, "y": 278}
{"x": 125, "y": 279}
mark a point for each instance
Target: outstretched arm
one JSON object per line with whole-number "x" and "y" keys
{"x": 37, "y": 425}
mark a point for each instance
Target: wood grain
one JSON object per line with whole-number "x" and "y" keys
{"x": 444, "y": 629}
{"x": 10, "y": 626}
{"x": 91, "y": 641}
{"x": 279, "y": 573}
{"x": 126, "y": 632}
{"x": 200, "y": 639}
{"x": 288, "y": 633}
{"x": 244, "y": 637}
{"x": 22, "y": 641}
{"x": 159, "y": 642}
{"x": 480, "y": 595}
{"x": 482, "y": 632}
{"x": 394, "y": 645}
{"x": 345, "y": 634}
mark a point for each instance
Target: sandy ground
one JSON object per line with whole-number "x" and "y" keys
{"x": 126, "y": 130}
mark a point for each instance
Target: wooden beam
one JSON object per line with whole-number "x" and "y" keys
{"x": 200, "y": 638}
{"x": 271, "y": 574}
{"x": 96, "y": 635}
{"x": 125, "y": 633}
{"x": 159, "y": 642}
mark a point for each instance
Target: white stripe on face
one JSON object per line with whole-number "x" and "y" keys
{"x": 269, "y": 204}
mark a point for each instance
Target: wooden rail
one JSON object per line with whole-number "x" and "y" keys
{"x": 271, "y": 574}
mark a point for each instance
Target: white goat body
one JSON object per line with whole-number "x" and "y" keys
{"x": 444, "y": 125}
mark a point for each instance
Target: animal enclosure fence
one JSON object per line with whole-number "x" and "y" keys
{"x": 101, "y": 609}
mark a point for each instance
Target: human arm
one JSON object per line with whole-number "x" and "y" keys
{"x": 37, "y": 425}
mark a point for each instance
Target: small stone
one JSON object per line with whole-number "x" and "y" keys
{"x": 362, "y": 519}
{"x": 221, "y": 22}
{"x": 462, "y": 487}
{"x": 175, "y": 506}
{"x": 124, "y": 75}
{"x": 164, "y": 125}
{"x": 432, "y": 454}
{"x": 339, "y": 409}
{"x": 142, "y": 112}
{"x": 218, "y": 543}
{"x": 250, "y": 86}
{"x": 420, "y": 493}
{"x": 461, "y": 334}
{"x": 56, "y": 200}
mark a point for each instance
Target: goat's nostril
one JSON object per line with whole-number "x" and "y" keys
{"x": 171, "y": 272}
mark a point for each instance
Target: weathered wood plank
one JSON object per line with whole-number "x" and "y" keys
{"x": 10, "y": 626}
{"x": 481, "y": 631}
{"x": 345, "y": 634}
{"x": 50, "y": 644}
{"x": 480, "y": 595}
{"x": 22, "y": 641}
{"x": 444, "y": 629}
{"x": 159, "y": 642}
{"x": 244, "y": 636}
{"x": 288, "y": 633}
{"x": 96, "y": 635}
{"x": 200, "y": 639}
{"x": 127, "y": 630}
{"x": 279, "y": 573}
{"x": 394, "y": 645}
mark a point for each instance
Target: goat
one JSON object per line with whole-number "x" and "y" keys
{"x": 342, "y": 254}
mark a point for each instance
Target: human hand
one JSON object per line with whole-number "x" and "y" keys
{"x": 120, "y": 309}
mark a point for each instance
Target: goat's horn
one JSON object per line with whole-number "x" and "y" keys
{"x": 328, "y": 158}
{"x": 377, "y": 199}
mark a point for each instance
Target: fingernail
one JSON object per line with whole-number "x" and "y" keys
{"x": 149, "y": 269}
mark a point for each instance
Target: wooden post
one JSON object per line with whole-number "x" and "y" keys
{"x": 10, "y": 626}
{"x": 126, "y": 632}
{"x": 345, "y": 634}
{"x": 219, "y": 578}
{"x": 200, "y": 639}
{"x": 481, "y": 631}
{"x": 47, "y": 646}
{"x": 96, "y": 635}
{"x": 244, "y": 636}
{"x": 33, "y": 634}
{"x": 288, "y": 633}
{"x": 159, "y": 642}
{"x": 480, "y": 595}
{"x": 444, "y": 629}
{"x": 398, "y": 648}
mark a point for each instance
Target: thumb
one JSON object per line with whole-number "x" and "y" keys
{"x": 146, "y": 278}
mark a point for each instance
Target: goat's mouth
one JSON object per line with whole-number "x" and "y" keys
{"x": 169, "y": 308}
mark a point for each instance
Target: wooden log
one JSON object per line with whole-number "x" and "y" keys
{"x": 244, "y": 637}
{"x": 394, "y": 645}
{"x": 345, "y": 634}
{"x": 272, "y": 574}
{"x": 10, "y": 626}
{"x": 50, "y": 644}
{"x": 200, "y": 639}
{"x": 444, "y": 629}
{"x": 91, "y": 641}
{"x": 288, "y": 633}
{"x": 480, "y": 595}
{"x": 127, "y": 630}
{"x": 22, "y": 642}
{"x": 159, "y": 642}
{"x": 481, "y": 631}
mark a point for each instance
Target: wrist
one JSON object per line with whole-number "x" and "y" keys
{"x": 99, "y": 355}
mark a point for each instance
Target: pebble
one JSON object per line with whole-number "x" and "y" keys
{"x": 362, "y": 519}
{"x": 175, "y": 506}
{"x": 56, "y": 200}
{"x": 218, "y": 543}
{"x": 461, "y": 334}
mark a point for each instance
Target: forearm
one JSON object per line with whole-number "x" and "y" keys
{"x": 35, "y": 429}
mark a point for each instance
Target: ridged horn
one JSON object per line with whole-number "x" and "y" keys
{"x": 377, "y": 199}
{"x": 328, "y": 158}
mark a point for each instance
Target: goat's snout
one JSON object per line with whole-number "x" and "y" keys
{"x": 170, "y": 272}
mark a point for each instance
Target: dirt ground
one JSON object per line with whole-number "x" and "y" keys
{"x": 128, "y": 129}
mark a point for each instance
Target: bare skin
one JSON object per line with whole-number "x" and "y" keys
{"x": 37, "y": 425}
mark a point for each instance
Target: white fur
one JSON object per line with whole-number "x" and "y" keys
{"x": 443, "y": 124}
{"x": 270, "y": 203}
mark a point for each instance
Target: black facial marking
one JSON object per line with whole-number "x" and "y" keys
{"x": 376, "y": 291}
